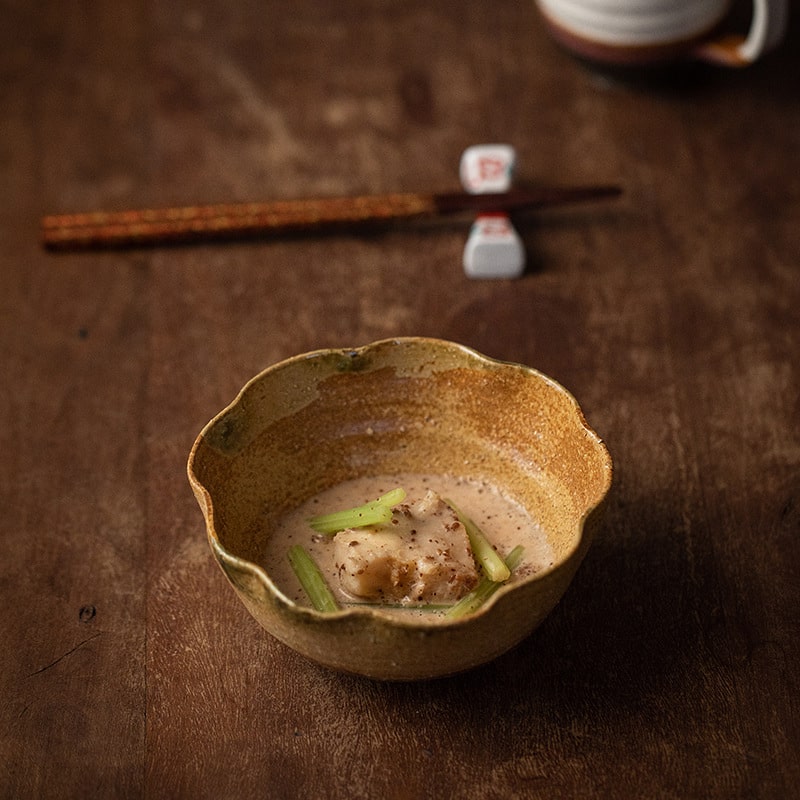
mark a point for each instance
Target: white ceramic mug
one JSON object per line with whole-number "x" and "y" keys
{"x": 647, "y": 31}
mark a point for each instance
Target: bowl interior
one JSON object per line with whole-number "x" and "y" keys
{"x": 416, "y": 406}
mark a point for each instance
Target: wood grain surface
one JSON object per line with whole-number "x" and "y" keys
{"x": 128, "y": 666}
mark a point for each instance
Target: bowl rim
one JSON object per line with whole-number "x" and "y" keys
{"x": 376, "y": 612}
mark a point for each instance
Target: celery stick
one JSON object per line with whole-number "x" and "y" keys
{"x": 311, "y": 579}
{"x": 359, "y": 517}
{"x": 484, "y": 590}
{"x": 431, "y": 608}
{"x": 493, "y": 566}
{"x": 393, "y": 497}
{"x": 376, "y": 512}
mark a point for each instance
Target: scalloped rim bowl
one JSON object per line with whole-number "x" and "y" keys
{"x": 398, "y": 405}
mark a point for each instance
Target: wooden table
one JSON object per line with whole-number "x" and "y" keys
{"x": 129, "y": 668}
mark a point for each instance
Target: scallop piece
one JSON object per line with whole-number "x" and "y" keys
{"x": 422, "y": 556}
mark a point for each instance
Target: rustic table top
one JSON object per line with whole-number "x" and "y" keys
{"x": 129, "y": 668}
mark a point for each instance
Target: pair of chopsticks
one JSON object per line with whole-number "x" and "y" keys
{"x": 113, "y": 229}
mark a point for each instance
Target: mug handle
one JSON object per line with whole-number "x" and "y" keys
{"x": 767, "y": 29}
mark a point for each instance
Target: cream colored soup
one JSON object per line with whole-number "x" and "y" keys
{"x": 503, "y": 521}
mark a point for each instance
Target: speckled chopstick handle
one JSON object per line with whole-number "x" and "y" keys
{"x": 104, "y": 229}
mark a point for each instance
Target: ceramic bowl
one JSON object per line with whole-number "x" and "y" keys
{"x": 399, "y": 405}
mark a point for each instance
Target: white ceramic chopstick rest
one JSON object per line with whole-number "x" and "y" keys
{"x": 487, "y": 168}
{"x": 493, "y": 249}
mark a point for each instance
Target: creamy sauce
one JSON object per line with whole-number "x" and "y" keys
{"x": 503, "y": 521}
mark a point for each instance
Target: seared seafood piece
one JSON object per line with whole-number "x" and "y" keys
{"x": 421, "y": 556}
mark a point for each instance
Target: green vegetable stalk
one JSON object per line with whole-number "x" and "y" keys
{"x": 485, "y": 589}
{"x": 377, "y": 512}
{"x": 311, "y": 579}
{"x": 492, "y": 565}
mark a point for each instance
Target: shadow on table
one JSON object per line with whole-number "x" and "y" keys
{"x": 627, "y": 637}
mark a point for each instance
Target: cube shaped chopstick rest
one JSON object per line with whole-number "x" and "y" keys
{"x": 494, "y": 249}
{"x": 487, "y": 168}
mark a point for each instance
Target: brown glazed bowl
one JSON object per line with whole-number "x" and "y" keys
{"x": 399, "y": 405}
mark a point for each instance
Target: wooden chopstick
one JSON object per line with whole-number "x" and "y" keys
{"x": 113, "y": 229}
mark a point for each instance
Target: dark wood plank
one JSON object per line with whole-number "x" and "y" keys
{"x": 74, "y": 341}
